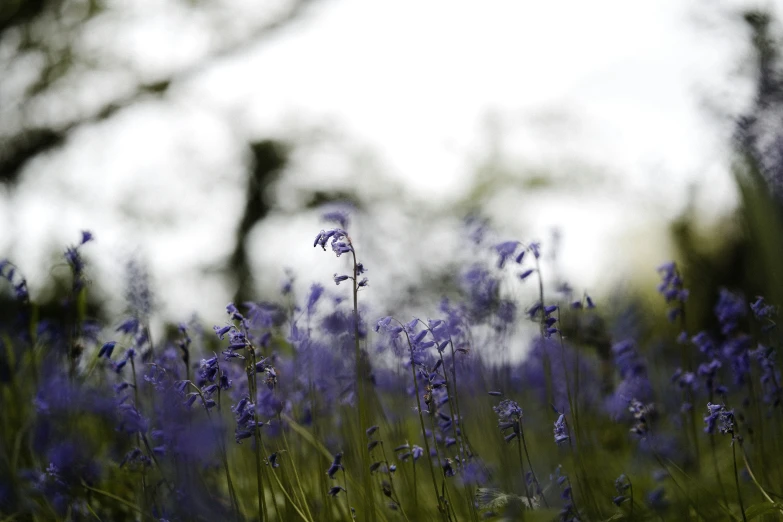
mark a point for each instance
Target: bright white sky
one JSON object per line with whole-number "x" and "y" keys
{"x": 403, "y": 97}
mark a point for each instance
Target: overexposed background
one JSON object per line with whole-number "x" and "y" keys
{"x": 604, "y": 120}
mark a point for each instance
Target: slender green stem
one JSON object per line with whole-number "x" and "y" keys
{"x": 736, "y": 481}
{"x": 347, "y": 501}
{"x": 522, "y": 469}
{"x": 121, "y": 500}
{"x": 293, "y": 466}
{"x": 252, "y": 385}
{"x": 362, "y": 370}
{"x": 529, "y": 462}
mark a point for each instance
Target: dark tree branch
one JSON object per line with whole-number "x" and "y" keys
{"x": 17, "y": 150}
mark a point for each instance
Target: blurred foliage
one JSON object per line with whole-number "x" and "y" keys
{"x": 42, "y": 48}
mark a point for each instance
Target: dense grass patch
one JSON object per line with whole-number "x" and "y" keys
{"x": 316, "y": 408}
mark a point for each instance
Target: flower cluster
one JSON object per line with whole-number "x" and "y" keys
{"x": 720, "y": 417}
{"x": 672, "y": 289}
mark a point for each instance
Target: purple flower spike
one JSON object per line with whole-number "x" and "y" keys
{"x": 561, "y": 430}
{"x": 336, "y": 465}
{"x": 107, "y": 349}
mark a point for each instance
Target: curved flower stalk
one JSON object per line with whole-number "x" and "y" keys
{"x": 77, "y": 300}
{"x": 341, "y": 243}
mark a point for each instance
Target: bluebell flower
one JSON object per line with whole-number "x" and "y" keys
{"x": 770, "y": 376}
{"x": 335, "y": 490}
{"x": 656, "y": 499}
{"x": 272, "y": 460}
{"x": 704, "y": 343}
{"x": 685, "y": 380}
{"x": 448, "y": 469}
{"x": 74, "y": 259}
{"x": 244, "y": 412}
{"x": 107, "y": 349}
{"x": 316, "y": 291}
{"x": 509, "y": 417}
{"x": 729, "y": 310}
{"x": 642, "y": 413}
{"x": 339, "y": 216}
{"x": 506, "y": 250}
{"x": 221, "y": 331}
{"x": 708, "y": 372}
{"x": 621, "y": 484}
{"x": 129, "y": 326}
{"x": 720, "y": 417}
{"x": 764, "y": 312}
{"x": 482, "y": 288}
{"x": 417, "y": 452}
{"x": 568, "y": 512}
{"x": 672, "y": 289}
{"x": 336, "y": 465}
{"x": 760, "y": 309}
{"x": 633, "y": 372}
{"x": 336, "y": 238}
{"x": 561, "y": 430}
{"x": 474, "y": 473}
{"x": 10, "y": 273}
{"x": 737, "y": 350}
{"x": 264, "y": 315}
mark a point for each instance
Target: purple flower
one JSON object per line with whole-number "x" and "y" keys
{"x": 506, "y": 250}
{"x": 524, "y": 275}
{"x": 336, "y": 465}
{"x": 718, "y": 416}
{"x": 621, "y": 484}
{"x": 561, "y": 430}
{"x": 107, "y": 349}
{"x": 417, "y": 452}
{"x": 335, "y": 490}
{"x": 729, "y": 310}
{"x": 341, "y": 217}
{"x": 316, "y": 291}
{"x": 656, "y": 499}
{"x": 672, "y": 289}
{"x": 264, "y": 315}
{"x": 335, "y": 237}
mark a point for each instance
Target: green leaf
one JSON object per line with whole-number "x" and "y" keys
{"x": 762, "y": 508}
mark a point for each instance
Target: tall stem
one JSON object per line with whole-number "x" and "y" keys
{"x": 362, "y": 369}
{"x": 252, "y": 385}
{"x": 522, "y": 468}
{"x": 736, "y": 481}
{"x": 529, "y": 462}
